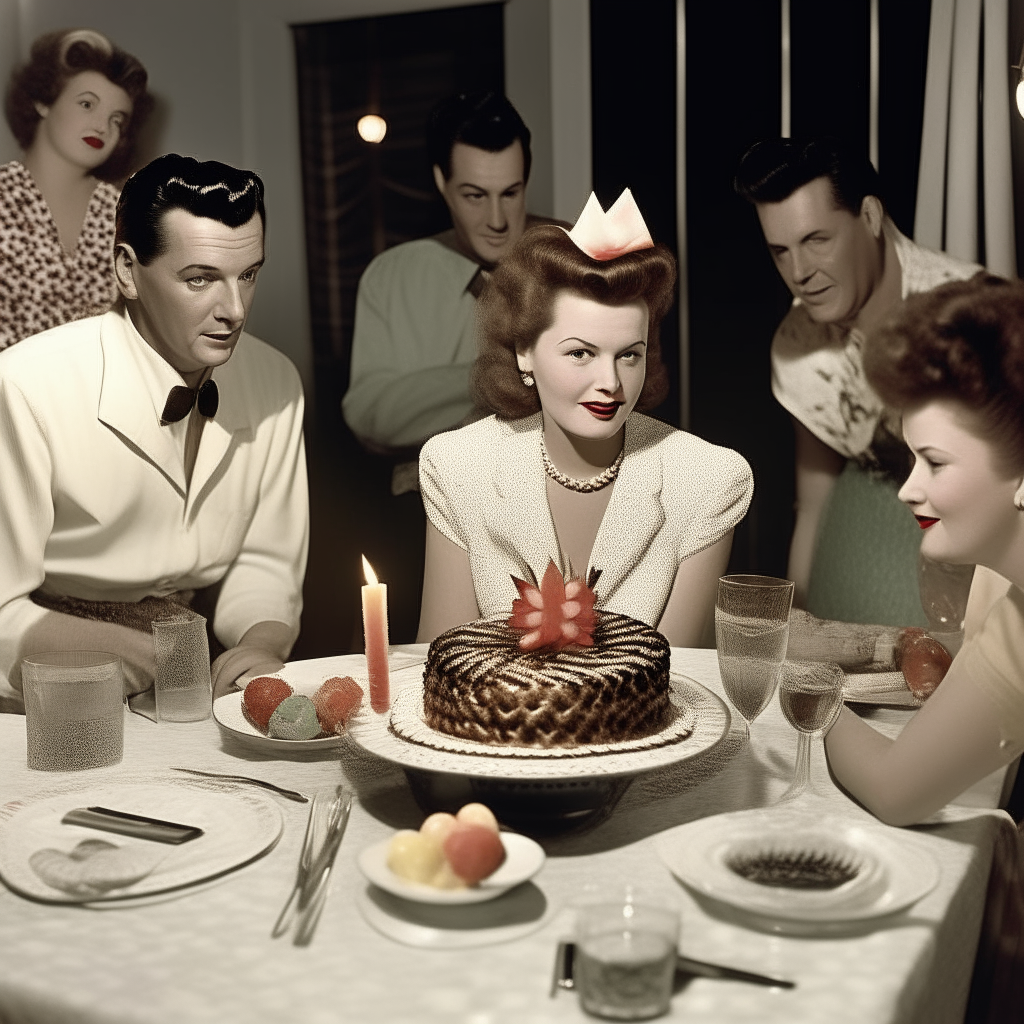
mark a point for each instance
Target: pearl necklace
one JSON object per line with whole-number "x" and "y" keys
{"x": 595, "y": 483}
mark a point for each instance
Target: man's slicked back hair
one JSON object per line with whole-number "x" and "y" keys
{"x": 173, "y": 182}
{"x": 773, "y": 169}
{"x": 485, "y": 120}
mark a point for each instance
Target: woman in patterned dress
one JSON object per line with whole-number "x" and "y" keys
{"x": 75, "y": 108}
{"x": 566, "y": 469}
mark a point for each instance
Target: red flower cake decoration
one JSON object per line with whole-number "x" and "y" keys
{"x": 557, "y": 614}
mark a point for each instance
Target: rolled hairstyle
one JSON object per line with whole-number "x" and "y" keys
{"x": 486, "y": 120}
{"x": 773, "y": 169}
{"x": 963, "y": 341}
{"x": 57, "y": 57}
{"x": 172, "y": 182}
{"x": 518, "y": 305}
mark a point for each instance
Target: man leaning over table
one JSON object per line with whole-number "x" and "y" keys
{"x": 152, "y": 457}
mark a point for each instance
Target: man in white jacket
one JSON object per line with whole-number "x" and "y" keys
{"x": 152, "y": 457}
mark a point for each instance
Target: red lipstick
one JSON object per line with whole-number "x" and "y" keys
{"x": 602, "y": 410}
{"x": 925, "y": 521}
{"x": 91, "y": 140}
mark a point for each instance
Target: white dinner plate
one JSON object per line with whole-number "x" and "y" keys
{"x": 523, "y": 859}
{"x": 238, "y": 827}
{"x": 894, "y": 869}
{"x": 519, "y": 912}
{"x": 306, "y": 681}
{"x": 375, "y": 733}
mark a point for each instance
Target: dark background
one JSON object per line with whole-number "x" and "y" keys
{"x": 370, "y": 197}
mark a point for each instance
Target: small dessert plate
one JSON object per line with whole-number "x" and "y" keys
{"x": 523, "y": 859}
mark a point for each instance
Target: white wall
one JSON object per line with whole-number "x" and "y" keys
{"x": 224, "y": 75}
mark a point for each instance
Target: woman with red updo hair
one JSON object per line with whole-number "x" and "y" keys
{"x": 565, "y": 469}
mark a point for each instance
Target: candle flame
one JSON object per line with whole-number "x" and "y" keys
{"x": 368, "y": 573}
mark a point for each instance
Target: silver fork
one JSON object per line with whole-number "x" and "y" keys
{"x": 314, "y": 839}
{"x": 321, "y": 883}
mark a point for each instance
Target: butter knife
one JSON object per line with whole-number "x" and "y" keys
{"x": 318, "y": 882}
{"x": 566, "y": 955}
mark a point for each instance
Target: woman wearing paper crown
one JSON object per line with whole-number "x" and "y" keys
{"x": 565, "y": 469}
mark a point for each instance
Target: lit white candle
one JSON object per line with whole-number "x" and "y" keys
{"x": 375, "y": 636}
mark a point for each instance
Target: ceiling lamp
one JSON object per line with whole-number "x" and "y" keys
{"x": 1019, "y": 68}
{"x": 372, "y": 128}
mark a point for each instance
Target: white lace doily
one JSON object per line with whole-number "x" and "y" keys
{"x": 407, "y": 722}
{"x": 705, "y": 716}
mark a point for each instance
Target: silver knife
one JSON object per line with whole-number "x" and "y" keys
{"x": 291, "y": 794}
{"x": 566, "y": 955}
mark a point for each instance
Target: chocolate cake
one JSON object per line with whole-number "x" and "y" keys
{"x": 480, "y": 685}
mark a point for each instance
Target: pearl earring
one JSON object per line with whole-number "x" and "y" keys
{"x": 527, "y": 378}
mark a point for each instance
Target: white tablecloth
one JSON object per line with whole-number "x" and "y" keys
{"x": 208, "y": 956}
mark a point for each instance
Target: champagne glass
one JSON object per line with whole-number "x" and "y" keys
{"x": 811, "y": 695}
{"x": 751, "y": 633}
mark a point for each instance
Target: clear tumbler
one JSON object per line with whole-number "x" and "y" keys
{"x": 74, "y": 710}
{"x": 183, "y": 689}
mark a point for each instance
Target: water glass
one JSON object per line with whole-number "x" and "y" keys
{"x": 74, "y": 710}
{"x": 751, "y": 634}
{"x": 184, "y": 692}
{"x": 625, "y": 959}
{"x": 811, "y": 695}
{"x": 944, "y": 590}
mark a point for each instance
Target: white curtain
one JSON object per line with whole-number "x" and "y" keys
{"x": 965, "y": 185}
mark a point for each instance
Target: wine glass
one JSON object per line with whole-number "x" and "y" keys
{"x": 751, "y": 634}
{"x": 811, "y": 695}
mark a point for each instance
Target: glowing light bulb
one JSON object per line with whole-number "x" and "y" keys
{"x": 372, "y": 128}
{"x": 1020, "y": 97}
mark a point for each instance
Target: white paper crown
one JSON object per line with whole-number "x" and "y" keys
{"x": 603, "y": 236}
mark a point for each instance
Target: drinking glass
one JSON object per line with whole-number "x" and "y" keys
{"x": 182, "y": 687}
{"x": 626, "y": 959}
{"x": 944, "y": 590}
{"x": 74, "y": 710}
{"x": 751, "y": 633}
{"x": 811, "y": 695}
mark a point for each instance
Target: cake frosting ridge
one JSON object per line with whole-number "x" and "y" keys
{"x": 479, "y": 684}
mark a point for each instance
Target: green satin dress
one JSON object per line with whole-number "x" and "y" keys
{"x": 866, "y": 554}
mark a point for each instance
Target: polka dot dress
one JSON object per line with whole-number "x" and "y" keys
{"x": 41, "y": 284}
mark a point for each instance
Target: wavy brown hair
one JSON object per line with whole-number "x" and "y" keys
{"x": 56, "y": 58}
{"x": 963, "y": 341}
{"x": 518, "y": 305}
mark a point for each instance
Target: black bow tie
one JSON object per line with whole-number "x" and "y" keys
{"x": 181, "y": 399}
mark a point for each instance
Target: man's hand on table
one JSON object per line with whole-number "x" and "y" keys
{"x": 264, "y": 648}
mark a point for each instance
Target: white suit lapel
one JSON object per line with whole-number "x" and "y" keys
{"x": 126, "y": 405}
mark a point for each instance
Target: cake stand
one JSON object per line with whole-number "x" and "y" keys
{"x": 530, "y": 791}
